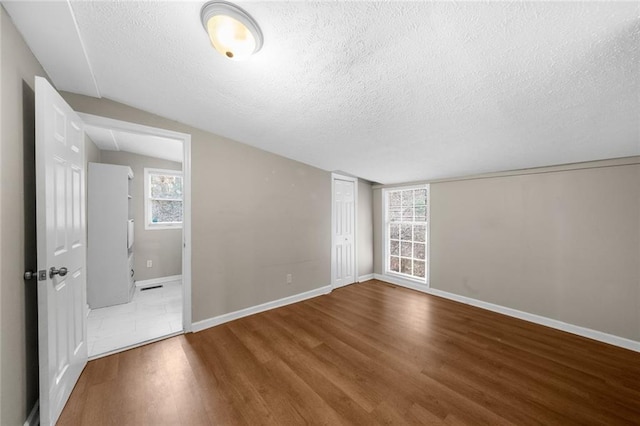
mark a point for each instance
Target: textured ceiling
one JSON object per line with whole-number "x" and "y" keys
{"x": 390, "y": 92}
{"x": 151, "y": 146}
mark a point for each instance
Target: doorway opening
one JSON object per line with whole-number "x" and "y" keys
{"x": 138, "y": 278}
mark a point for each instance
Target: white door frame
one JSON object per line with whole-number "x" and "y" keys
{"x": 98, "y": 121}
{"x": 334, "y": 177}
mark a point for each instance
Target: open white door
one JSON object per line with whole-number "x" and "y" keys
{"x": 343, "y": 260}
{"x": 60, "y": 205}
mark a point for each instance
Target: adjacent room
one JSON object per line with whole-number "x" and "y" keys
{"x": 134, "y": 273}
{"x": 319, "y": 212}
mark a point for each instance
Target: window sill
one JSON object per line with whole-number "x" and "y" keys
{"x": 406, "y": 278}
{"x": 148, "y": 227}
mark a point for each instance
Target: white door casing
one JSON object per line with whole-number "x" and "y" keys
{"x": 343, "y": 257}
{"x": 61, "y": 233}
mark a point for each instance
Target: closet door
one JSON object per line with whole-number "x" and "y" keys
{"x": 344, "y": 269}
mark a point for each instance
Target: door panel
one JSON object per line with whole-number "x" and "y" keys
{"x": 76, "y": 209}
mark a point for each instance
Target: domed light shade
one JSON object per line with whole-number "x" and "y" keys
{"x": 232, "y": 31}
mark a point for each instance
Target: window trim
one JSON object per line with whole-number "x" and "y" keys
{"x": 385, "y": 241}
{"x": 148, "y": 225}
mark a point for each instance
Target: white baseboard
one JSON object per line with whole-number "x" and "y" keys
{"x": 221, "y": 319}
{"x": 538, "y": 319}
{"x": 363, "y": 278}
{"x": 34, "y": 415}
{"x": 160, "y": 280}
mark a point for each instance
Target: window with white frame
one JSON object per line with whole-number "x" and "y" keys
{"x": 163, "y": 198}
{"x": 406, "y": 216}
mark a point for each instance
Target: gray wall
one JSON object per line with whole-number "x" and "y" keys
{"x": 91, "y": 155}
{"x": 255, "y": 217}
{"x": 365, "y": 228}
{"x": 18, "y": 299}
{"x": 2, "y": 18}
{"x": 162, "y": 246}
{"x": 91, "y": 151}
{"x": 563, "y": 244}
{"x": 377, "y": 231}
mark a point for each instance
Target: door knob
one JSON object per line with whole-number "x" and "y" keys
{"x": 29, "y": 275}
{"x": 53, "y": 271}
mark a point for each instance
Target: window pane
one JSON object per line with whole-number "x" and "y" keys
{"x": 421, "y": 211}
{"x": 394, "y": 215}
{"x": 405, "y": 232}
{"x": 166, "y": 186}
{"x": 407, "y": 214}
{"x": 405, "y": 249}
{"x": 419, "y": 233}
{"x": 394, "y": 199}
{"x": 394, "y": 231}
{"x": 166, "y": 211}
{"x": 405, "y": 266}
{"x": 407, "y": 198}
{"x": 418, "y": 268}
{"x": 394, "y": 247}
{"x": 420, "y": 197}
{"x": 418, "y": 251}
{"x": 394, "y": 264}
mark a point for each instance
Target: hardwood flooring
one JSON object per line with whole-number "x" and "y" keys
{"x": 365, "y": 354}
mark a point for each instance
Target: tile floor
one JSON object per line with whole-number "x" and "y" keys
{"x": 151, "y": 314}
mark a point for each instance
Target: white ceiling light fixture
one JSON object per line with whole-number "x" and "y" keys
{"x": 232, "y": 31}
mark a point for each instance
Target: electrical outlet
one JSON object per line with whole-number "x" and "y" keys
{"x": 289, "y": 278}
{"x": 149, "y": 263}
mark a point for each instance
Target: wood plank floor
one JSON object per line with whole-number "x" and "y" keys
{"x": 366, "y": 354}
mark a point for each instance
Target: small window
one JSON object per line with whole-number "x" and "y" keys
{"x": 406, "y": 242}
{"x": 163, "y": 199}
